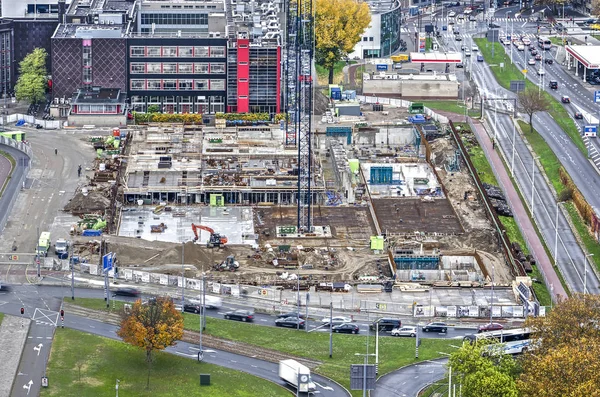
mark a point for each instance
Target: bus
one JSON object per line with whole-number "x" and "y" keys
{"x": 544, "y": 43}
{"x": 515, "y": 341}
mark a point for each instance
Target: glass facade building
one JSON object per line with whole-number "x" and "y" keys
{"x": 390, "y": 32}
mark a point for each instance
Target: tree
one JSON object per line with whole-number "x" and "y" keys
{"x": 484, "y": 370}
{"x": 31, "y": 85}
{"x": 152, "y": 326}
{"x": 339, "y": 25}
{"x": 564, "y": 361}
{"x": 596, "y": 7}
{"x": 153, "y": 109}
{"x": 532, "y": 102}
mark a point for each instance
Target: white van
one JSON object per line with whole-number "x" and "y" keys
{"x": 212, "y": 302}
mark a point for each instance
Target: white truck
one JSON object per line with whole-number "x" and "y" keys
{"x": 297, "y": 375}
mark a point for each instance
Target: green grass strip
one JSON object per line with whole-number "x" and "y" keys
{"x": 591, "y": 244}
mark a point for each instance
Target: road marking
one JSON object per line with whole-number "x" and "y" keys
{"x": 28, "y": 386}
{"x": 38, "y": 348}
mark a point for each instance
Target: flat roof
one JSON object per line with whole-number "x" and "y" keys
{"x": 435, "y": 57}
{"x": 588, "y": 55}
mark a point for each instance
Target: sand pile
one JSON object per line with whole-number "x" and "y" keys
{"x": 94, "y": 201}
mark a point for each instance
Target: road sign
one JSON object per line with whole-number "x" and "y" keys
{"x": 524, "y": 71}
{"x": 590, "y": 130}
{"x": 517, "y": 85}
{"x": 596, "y": 96}
{"x": 357, "y": 376}
{"x": 107, "y": 262}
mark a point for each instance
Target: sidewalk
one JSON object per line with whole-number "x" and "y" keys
{"x": 521, "y": 216}
{"x": 13, "y": 334}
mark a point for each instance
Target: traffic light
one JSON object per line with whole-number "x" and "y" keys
{"x": 22, "y": 311}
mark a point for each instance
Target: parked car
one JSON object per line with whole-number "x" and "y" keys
{"x": 127, "y": 292}
{"x": 549, "y": 61}
{"x": 436, "y": 327}
{"x": 240, "y": 315}
{"x": 578, "y": 116}
{"x": 565, "y": 99}
{"x": 490, "y": 327}
{"x": 291, "y": 314}
{"x": 405, "y": 331}
{"x": 386, "y": 324}
{"x": 291, "y": 322}
{"x": 554, "y": 84}
{"x": 346, "y": 328}
{"x": 336, "y": 320}
{"x": 192, "y": 307}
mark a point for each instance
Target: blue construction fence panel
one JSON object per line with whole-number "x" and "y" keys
{"x": 381, "y": 175}
{"x": 419, "y": 262}
{"x": 340, "y": 131}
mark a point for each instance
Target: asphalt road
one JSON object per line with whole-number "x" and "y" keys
{"x": 14, "y": 184}
{"x": 410, "y": 380}
{"x": 5, "y": 168}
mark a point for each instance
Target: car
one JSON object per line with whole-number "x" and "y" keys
{"x": 526, "y": 41}
{"x": 385, "y": 324}
{"x": 336, "y": 320}
{"x": 541, "y": 72}
{"x": 534, "y": 52}
{"x": 460, "y": 66}
{"x": 291, "y": 314}
{"x": 479, "y": 58}
{"x": 531, "y": 61}
{"x": 458, "y": 38}
{"x": 472, "y": 18}
{"x": 474, "y": 48}
{"x": 538, "y": 57}
{"x": 490, "y": 327}
{"x": 405, "y": 331}
{"x": 451, "y": 14}
{"x": 346, "y": 328}
{"x": 565, "y": 99}
{"x": 126, "y": 291}
{"x": 467, "y": 53}
{"x": 578, "y": 116}
{"x": 436, "y": 327}
{"x": 549, "y": 61}
{"x": 494, "y": 26}
{"x": 39, "y": 126}
{"x": 463, "y": 47}
{"x": 460, "y": 16}
{"x": 5, "y": 288}
{"x": 456, "y": 31}
{"x": 554, "y": 84}
{"x": 192, "y": 307}
{"x": 521, "y": 47}
{"x": 290, "y": 322}
{"x": 239, "y": 315}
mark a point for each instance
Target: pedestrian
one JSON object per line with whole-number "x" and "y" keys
{"x": 493, "y": 144}
{"x": 79, "y": 171}
{"x": 55, "y": 151}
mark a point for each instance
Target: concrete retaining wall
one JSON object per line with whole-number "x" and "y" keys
{"x": 412, "y": 89}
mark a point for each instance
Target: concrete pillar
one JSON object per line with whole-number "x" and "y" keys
{"x": 575, "y": 63}
{"x": 584, "y": 72}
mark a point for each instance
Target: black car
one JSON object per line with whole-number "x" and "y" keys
{"x": 192, "y": 308}
{"x": 38, "y": 126}
{"x": 554, "y": 84}
{"x": 578, "y": 116}
{"x": 460, "y": 66}
{"x": 346, "y": 328}
{"x": 458, "y": 38}
{"x": 240, "y": 315}
{"x": 494, "y": 26}
{"x": 292, "y": 314}
{"x": 5, "y": 288}
{"x": 386, "y": 324}
{"x": 291, "y": 322}
{"x": 127, "y": 292}
{"x": 549, "y": 61}
{"x": 436, "y": 327}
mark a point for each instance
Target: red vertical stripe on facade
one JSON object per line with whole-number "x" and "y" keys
{"x": 243, "y": 74}
{"x": 278, "y": 104}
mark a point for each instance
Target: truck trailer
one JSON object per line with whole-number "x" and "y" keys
{"x": 296, "y": 375}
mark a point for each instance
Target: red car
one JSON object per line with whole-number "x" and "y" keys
{"x": 490, "y": 327}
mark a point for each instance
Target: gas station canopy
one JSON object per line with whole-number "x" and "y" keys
{"x": 587, "y": 55}
{"x": 435, "y": 57}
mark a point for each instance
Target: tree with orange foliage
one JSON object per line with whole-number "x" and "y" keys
{"x": 565, "y": 359}
{"x": 152, "y": 326}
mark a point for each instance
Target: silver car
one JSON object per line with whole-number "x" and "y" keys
{"x": 405, "y": 331}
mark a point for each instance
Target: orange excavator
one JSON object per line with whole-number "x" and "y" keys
{"x": 215, "y": 239}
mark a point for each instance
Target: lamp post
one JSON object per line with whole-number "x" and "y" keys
{"x": 492, "y": 294}
{"x": 533, "y": 182}
{"x": 182, "y": 275}
{"x": 585, "y": 273}
{"x": 512, "y": 161}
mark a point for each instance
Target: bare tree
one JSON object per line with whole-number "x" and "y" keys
{"x": 532, "y": 102}
{"x": 596, "y": 7}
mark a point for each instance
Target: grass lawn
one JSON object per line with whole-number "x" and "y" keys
{"x": 451, "y": 106}
{"x": 1, "y": 317}
{"x": 548, "y": 159}
{"x": 512, "y": 72}
{"x": 82, "y": 364}
{"x": 557, "y": 40}
{"x": 591, "y": 245}
{"x": 338, "y": 75}
{"x": 393, "y": 352}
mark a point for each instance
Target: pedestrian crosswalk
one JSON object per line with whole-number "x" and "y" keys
{"x": 496, "y": 20}
{"x": 463, "y": 36}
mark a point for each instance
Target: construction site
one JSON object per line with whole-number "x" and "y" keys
{"x": 391, "y": 203}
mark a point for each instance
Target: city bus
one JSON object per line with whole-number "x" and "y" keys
{"x": 515, "y": 341}
{"x": 544, "y": 43}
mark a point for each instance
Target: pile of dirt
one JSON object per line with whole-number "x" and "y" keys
{"x": 320, "y": 103}
{"x": 84, "y": 204}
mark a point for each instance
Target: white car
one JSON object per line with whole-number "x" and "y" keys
{"x": 467, "y": 53}
{"x": 531, "y": 61}
{"x": 451, "y": 14}
{"x": 405, "y": 331}
{"x": 475, "y": 48}
{"x": 521, "y": 47}
{"x": 541, "y": 72}
{"x": 336, "y": 320}
{"x": 526, "y": 41}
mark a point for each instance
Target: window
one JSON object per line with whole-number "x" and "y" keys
{"x": 137, "y": 52}
{"x": 217, "y": 84}
{"x": 153, "y": 51}
{"x": 370, "y": 38}
{"x": 153, "y": 84}
{"x": 185, "y": 84}
{"x": 169, "y": 51}
{"x": 201, "y": 84}
{"x": 169, "y": 68}
{"x": 137, "y": 84}
{"x": 169, "y": 84}
{"x": 185, "y": 68}
{"x": 185, "y": 52}
{"x": 217, "y": 68}
{"x": 138, "y": 68}
{"x": 217, "y": 52}
{"x": 153, "y": 67}
{"x": 365, "y": 39}
{"x": 201, "y": 52}
{"x": 201, "y": 68}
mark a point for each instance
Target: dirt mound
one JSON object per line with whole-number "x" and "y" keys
{"x": 94, "y": 201}
{"x": 320, "y": 103}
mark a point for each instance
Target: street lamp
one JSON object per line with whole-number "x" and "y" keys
{"x": 585, "y": 273}
{"x": 533, "y": 182}
{"x": 512, "y": 161}
{"x": 366, "y": 356}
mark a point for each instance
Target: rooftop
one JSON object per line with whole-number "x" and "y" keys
{"x": 86, "y": 7}
{"x": 382, "y": 6}
{"x": 99, "y": 95}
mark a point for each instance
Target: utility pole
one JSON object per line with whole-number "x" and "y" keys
{"x": 298, "y": 300}
{"x": 330, "y": 329}
{"x": 72, "y": 264}
{"x": 182, "y": 274}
